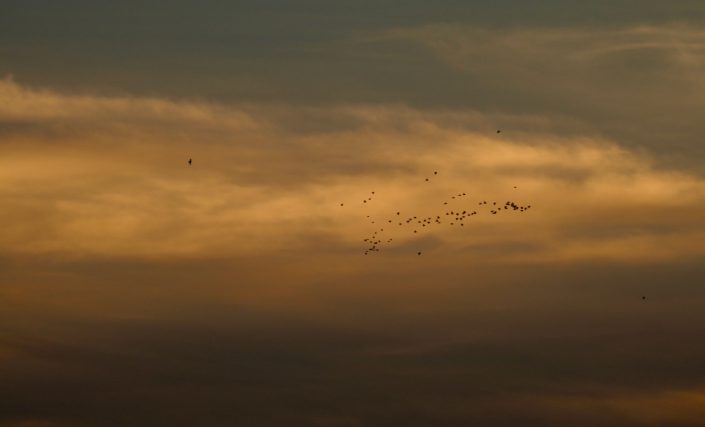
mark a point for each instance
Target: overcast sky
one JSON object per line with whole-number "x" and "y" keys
{"x": 139, "y": 290}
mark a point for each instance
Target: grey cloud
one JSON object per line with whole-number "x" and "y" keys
{"x": 642, "y": 85}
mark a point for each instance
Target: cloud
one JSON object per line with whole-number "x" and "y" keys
{"x": 642, "y": 85}
{"x": 101, "y": 176}
{"x": 138, "y": 290}
{"x": 109, "y": 372}
{"x": 576, "y": 61}
{"x": 674, "y": 407}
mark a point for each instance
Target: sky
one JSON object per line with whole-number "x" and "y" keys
{"x": 139, "y": 290}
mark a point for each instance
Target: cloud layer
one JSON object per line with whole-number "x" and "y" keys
{"x": 92, "y": 176}
{"x": 138, "y": 290}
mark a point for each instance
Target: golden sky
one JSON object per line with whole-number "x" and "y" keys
{"x": 136, "y": 289}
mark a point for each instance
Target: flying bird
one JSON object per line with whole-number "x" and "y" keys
{"x": 189, "y": 162}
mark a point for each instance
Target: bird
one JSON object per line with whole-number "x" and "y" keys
{"x": 499, "y": 131}
{"x": 418, "y": 253}
{"x": 189, "y": 161}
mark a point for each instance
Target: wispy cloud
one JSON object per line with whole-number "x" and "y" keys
{"x": 642, "y": 85}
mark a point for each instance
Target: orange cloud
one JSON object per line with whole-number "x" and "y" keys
{"x": 95, "y": 176}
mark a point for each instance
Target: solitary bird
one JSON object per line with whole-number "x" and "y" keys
{"x": 189, "y": 162}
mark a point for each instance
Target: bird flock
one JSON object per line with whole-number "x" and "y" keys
{"x": 453, "y": 212}
{"x": 456, "y": 211}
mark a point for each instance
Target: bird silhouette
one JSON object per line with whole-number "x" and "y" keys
{"x": 189, "y": 161}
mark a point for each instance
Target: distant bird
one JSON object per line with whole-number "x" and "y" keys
{"x": 499, "y": 131}
{"x": 189, "y": 162}
{"x": 341, "y": 204}
{"x": 435, "y": 172}
{"x": 418, "y": 253}
{"x": 643, "y": 298}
